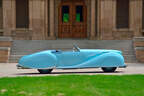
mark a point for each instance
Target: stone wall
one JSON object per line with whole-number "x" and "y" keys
{"x": 108, "y": 27}
{"x": 101, "y": 19}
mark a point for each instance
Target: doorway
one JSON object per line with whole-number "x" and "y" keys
{"x": 22, "y": 14}
{"x": 72, "y": 19}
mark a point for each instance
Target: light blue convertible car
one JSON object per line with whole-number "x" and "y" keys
{"x": 46, "y": 61}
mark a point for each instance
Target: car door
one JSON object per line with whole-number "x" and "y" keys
{"x": 69, "y": 59}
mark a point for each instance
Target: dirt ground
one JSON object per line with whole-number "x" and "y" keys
{"x": 10, "y": 70}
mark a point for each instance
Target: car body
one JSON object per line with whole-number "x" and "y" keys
{"x": 77, "y": 58}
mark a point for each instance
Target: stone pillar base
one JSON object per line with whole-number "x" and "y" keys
{"x": 4, "y": 54}
{"x": 93, "y": 38}
{"x": 51, "y": 38}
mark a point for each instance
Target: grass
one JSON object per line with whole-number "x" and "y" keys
{"x": 73, "y": 85}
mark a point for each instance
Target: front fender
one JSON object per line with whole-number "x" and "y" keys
{"x": 38, "y": 60}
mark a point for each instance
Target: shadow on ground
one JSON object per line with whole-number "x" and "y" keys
{"x": 58, "y": 73}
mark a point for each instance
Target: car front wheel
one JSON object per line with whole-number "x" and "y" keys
{"x": 109, "y": 69}
{"x": 45, "y": 71}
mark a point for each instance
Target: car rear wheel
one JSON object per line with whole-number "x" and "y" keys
{"x": 109, "y": 69}
{"x": 45, "y": 71}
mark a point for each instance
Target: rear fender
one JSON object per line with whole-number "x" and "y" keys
{"x": 110, "y": 59}
{"x": 39, "y": 60}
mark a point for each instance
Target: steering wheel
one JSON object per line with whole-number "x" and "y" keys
{"x": 76, "y": 48}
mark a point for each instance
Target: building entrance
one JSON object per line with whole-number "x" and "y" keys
{"x": 72, "y": 19}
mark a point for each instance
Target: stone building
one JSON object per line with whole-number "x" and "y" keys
{"x": 61, "y": 19}
{"x": 55, "y": 20}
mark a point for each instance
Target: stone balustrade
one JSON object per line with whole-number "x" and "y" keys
{"x": 5, "y": 46}
{"x": 139, "y": 48}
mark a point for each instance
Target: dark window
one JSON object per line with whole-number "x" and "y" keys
{"x": 22, "y": 14}
{"x": 122, "y": 14}
{"x": 0, "y": 3}
{"x": 65, "y": 14}
{"x": 1, "y": 15}
{"x": 143, "y": 16}
{"x": 79, "y": 13}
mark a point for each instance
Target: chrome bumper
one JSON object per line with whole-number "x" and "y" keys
{"x": 21, "y": 67}
{"x": 123, "y": 66}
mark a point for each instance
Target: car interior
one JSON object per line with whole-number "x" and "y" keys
{"x": 75, "y": 49}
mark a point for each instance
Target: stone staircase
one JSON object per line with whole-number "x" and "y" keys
{"x": 24, "y": 47}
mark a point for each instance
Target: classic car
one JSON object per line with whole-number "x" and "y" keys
{"x": 46, "y": 61}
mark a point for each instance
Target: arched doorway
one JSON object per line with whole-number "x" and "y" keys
{"x": 72, "y": 19}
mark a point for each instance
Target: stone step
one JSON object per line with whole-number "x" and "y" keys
{"x": 69, "y": 43}
{"x": 24, "y": 52}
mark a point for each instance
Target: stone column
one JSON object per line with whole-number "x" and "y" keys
{"x": 51, "y": 19}
{"x": 107, "y": 16}
{"x": 136, "y": 17}
{"x": 46, "y": 18}
{"x": 93, "y": 19}
{"x": 8, "y": 16}
{"x": 37, "y": 16}
{"x": 43, "y": 18}
{"x": 13, "y": 14}
{"x": 30, "y": 14}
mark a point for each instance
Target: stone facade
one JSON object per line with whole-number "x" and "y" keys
{"x": 43, "y": 21}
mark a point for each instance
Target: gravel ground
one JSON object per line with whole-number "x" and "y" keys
{"x": 10, "y": 70}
